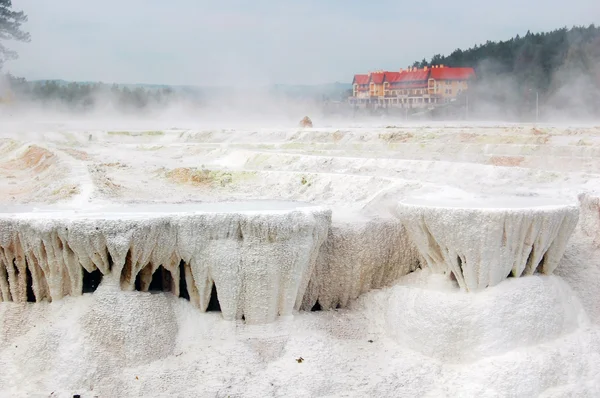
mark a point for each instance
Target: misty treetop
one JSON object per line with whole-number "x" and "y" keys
{"x": 10, "y": 29}
{"x": 561, "y": 66}
{"x": 82, "y": 96}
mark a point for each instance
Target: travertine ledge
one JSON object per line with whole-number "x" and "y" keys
{"x": 483, "y": 242}
{"x": 258, "y": 255}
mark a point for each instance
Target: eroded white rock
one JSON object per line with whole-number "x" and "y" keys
{"x": 359, "y": 254}
{"x": 482, "y": 242}
{"x": 259, "y": 260}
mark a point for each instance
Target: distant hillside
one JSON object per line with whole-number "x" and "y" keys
{"x": 563, "y": 66}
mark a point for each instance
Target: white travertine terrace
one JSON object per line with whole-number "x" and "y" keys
{"x": 262, "y": 265}
{"x": 411, "y": 335}
{"x": 259, "y": 255}
{"x": 482, "y": 242}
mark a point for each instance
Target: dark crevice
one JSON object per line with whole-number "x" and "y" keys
{"x": 419, "y": 264}
{"x": 183, "y": 291}
{"x": 91, "y": 280}
{"x": 529, "y": 261}
{"x": 128, "y": 270}
{"x": 29, "y": 281}
{"x": 6, "y": 277}
{"x": 167, "y": 280}
{"x": 541, "y": 264}
{"x": 459, "y": 268}
{"x": 138, "y": 282}
{"x": 110, "y": 260}
{"x": 14, "y": 264}
{"x": 316, "y": 307}
{"x": 213, "y": 304}
{"x": 161, "y": 280}
{"x": 158, "y": 281}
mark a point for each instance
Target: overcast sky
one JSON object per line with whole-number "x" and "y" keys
{"x": 260, "y": 42}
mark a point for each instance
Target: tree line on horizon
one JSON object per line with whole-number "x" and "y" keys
{"x": 87, "y": 96}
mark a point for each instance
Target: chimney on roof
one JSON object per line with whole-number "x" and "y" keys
{"x": 425, "y": 68}
{"x": 401, "y": 70}
{"x": 441, "y": 66}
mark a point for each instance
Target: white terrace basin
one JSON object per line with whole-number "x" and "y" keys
{"x": 482, "y": 241}
{"x": 258, "y": 254}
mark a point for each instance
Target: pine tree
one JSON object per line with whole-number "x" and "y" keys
{"x": 10, "y": 29}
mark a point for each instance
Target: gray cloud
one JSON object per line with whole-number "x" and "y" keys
{"x": 259, "y": 42}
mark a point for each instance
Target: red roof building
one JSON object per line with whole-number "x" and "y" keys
{"x": 452, "y": 73}
{"x": 361, "y": 79}
{"x": 377, "y": 77}
{"x": 412, "y": 87}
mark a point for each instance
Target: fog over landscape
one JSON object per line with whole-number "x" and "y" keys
{"x": 314, "y": 199}
{"x": 206, "y": 59}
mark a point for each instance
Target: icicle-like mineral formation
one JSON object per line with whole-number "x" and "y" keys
{"x": 259, "y": 259}
{"x": 482, "y": 242}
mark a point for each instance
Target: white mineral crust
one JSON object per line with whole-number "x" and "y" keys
{"x": 359, "y": 254}
{"x": 260, "y": 261}
{"x": 483, "y": 242}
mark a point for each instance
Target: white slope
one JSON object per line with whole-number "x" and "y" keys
{"x": 395, "y": 334}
